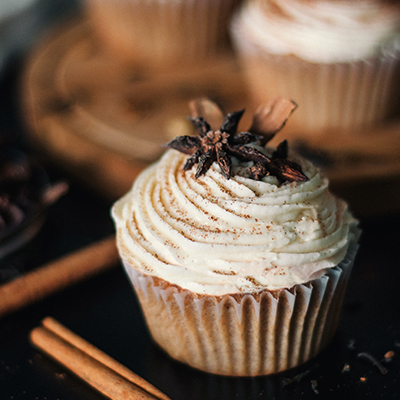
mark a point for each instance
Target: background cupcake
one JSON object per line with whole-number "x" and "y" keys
{"x": 338, "y": 59}
{"x": 239, "y": 270}
{"x": 159, "y": 31}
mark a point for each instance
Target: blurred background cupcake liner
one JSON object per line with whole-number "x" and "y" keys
{"x": 158, "y": 31}
{"x": 245, "y": 334}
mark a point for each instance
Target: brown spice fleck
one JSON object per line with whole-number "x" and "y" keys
{"x": 230, "y": 273}
{"x": 253, "y": 280}
{"x": 346, "y": 368}
{"x": 389, "y": 355}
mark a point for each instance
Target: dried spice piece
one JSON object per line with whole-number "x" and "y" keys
{"x": 388, "y": 357}
{"x": 314, "y": 386}
{"x": 271, "y": 117}
{"x": 296, "y": 378}
{"x": 24, "y": 193}
{"x": 351, "y": 345}
{"x": 210, "y": 111}
{"x": 346, "y": 368}
{"x": 374, "y": 362}
{"x": 222, "y": 144}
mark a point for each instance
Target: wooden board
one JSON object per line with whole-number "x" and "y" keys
{"x": 104, "y": 121}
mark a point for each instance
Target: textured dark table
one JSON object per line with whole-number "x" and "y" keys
{"x": 104, "y": 311}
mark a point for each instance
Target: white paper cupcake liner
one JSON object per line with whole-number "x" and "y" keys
{"x": 156, "y": 31}
{"x": 244, "y": 334}
{"x": 346, "y": 96}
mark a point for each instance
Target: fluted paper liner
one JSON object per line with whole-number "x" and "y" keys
{"x": 244, "y": 334}
{"x": 343, "y": 95}
{"x": 161, "y": 31}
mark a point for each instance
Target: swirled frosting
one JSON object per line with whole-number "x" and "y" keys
{"x": 322, "y": 31}
{"x": 216, "y": 236}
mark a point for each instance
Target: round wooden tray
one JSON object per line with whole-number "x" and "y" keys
{"x": 104, "y": 121}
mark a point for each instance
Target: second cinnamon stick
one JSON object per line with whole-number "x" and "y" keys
{"x": 57, "y": 275}
{"x": 93, "y": 372}
{"x": 56, "y": 327}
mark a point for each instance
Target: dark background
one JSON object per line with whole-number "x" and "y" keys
{"x": 104, "y": 310}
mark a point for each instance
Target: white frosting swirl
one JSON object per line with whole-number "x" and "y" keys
{"x": 322, "y": 31}
{"x": 219, "y": 236}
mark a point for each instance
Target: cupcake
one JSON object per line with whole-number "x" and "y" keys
{"x": 238, "y": 253}
{"x": 338, "y": 59}
{"x": 158, "y": 32}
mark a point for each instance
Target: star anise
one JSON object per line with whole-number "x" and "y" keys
{"x": 222, "y": 144}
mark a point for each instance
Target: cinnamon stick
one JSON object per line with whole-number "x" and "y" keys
{"x": 93, "y": 372}
{"x": 57, "y": 328}
{"x": 57, "y": 275}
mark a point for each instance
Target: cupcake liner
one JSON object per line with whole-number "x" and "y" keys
{"x": 346, "y": 96}
{"x": 245, "y": 334}
{"x": 152, "y": 31}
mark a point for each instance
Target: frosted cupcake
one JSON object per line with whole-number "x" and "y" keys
{"x": 158, "y": 32}
{"x": 238, "y": 253}
{"x": 338, "y": 59}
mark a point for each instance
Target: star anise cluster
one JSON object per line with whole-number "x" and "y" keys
{"x": 221, "y": 144}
